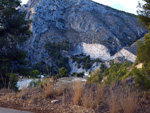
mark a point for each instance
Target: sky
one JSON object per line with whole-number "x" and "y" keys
{"x": 124, "y": 5}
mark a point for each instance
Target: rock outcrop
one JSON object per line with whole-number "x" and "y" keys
{"x": 91, "y": 28}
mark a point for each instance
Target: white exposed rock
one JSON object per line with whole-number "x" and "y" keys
{"x": 125, "y": 53}
{"x": 102, "y": 52}
{"x": 139, "y": 66}
{"x": 55, "y": 101}
{"x": 94, "y": 50}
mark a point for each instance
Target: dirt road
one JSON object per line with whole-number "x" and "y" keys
{"x": 7, "y": 110}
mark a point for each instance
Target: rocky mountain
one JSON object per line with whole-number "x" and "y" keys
{"x": 90, "y": 28}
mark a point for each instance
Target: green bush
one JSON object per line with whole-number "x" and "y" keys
{"x": 63, "y": 72}
{"x": 35, "y": 83}
{"x": 141, "y": 81}
{"x": 98, "y": 60}
{"x": 102, "y": 68}
{"x": 147, "y": 83}
{"x": 117, "y": 72}
{"x": 95, "y": 77}
{"x": 78, "y": 74}
{"x": 34, "y": 73}
{"x": 64, "y": 62}
{"x": 13, "y": 81}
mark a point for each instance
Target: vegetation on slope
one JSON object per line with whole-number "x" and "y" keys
{"x": 84, "y": 61}
{"x": 55, "y": 52}
{"x": 116, "y": 73}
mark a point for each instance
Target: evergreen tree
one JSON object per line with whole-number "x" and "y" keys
{"x": 144, "y": 12}
{"x": 142, "y": 76}
{"x": 14, "y": 30}
{"x": 102, "y": 68}
{"x": 143, "y": 54}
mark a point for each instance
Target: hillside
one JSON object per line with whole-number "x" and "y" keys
{"x": 90, "y": 29}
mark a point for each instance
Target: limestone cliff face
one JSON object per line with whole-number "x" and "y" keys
{"x": 91, "y": 28}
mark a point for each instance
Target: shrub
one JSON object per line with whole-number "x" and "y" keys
{"x": 123, "y": 100}
{"x": 48, "y": 89}
{"x": 23, "y": 92}
{"x": 63, "y": 72}
{"x": 60, "y": 89}
{"x": 93, "y": 98}
{"x": 138, "y": 75}
{"x": 79, "y": 74}
{"x": 13, "y": 81}
{"x": 95, "y": 77}
{"x": 128, "y": 101}
{"x": 141, "y": 80}
{"x": 42, "y": 67}
{"x": 78, "y": 90}
{"x": 67, "y": 95}
{"x": 102, "y": 68}
{"x": 35, "y": 83}
{"x": 35, "y": 72}
{"x": 117, "y": 72}
{"x": 97, "y": 60}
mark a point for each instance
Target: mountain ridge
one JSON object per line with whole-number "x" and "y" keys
{"x": 81, "y": 23}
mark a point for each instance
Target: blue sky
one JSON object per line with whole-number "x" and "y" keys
{"x": 125, "y": 5}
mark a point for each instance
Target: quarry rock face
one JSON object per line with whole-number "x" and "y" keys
{"x": 91, "y": 28}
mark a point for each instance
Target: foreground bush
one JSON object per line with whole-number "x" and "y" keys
{"x": 78, "y": 91}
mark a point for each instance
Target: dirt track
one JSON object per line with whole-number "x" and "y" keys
{"x": 6, "y": 110}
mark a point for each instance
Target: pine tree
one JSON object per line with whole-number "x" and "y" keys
{"x": 144, "y": 13}
{"x": 142, "y": 76}
{"x": 14, "y": 30}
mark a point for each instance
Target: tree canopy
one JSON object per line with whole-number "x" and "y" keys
{"x": 143, "y": 51}
{"x": 14, "y": 30}
{"x": 144, "y": 12}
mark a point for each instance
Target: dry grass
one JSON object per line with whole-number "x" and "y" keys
{"x": 23, "y": 92}
{"x": 34, "y": 99}
{"x": 87, "y": 99}
{"x": 96, "y": 97}
{"x": 78, "y": 90}
{"x": 113, "y": 102}
{"x": 93, "y": 97}
{"x": 128, "y": 102}
{"x": 9, "y": 97}
{"x": 67, "y": 97}
{"x": 122, "y": 101}
{"x": 48, "y": 89}
{"x": 99, "y": 94}
{"x": 60, "y": 89}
